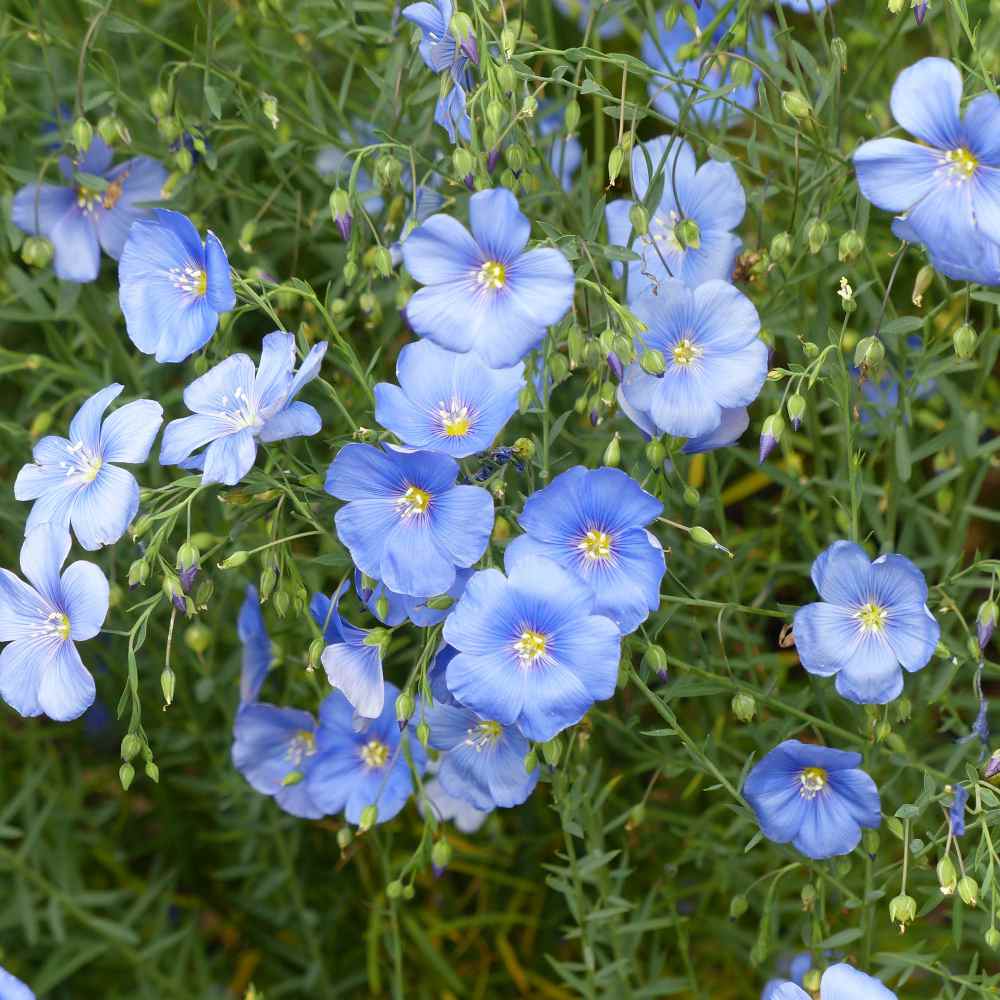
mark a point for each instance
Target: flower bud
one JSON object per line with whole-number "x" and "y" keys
{"x": 525, "y": 448}
{"x": 529, "y": 106}
{"x": 188, "y": 556}
{"x": 184, "y": 160}
{"x": 552, "y": 750}
{"x": 654, "y": 658}
{"x": 235, "y": 560}
{"x": 817, "y": 233}
{"x": 530, "y": 761}
{"x": 369, "y": 816}
{"x": 738, "y": 905}
{"x": 131, "y": 745}
{"x": 615, "y": 161}
{"x": 808, "y": 897}
{"x": 508, "y": 42}
{"x": 138, "y": 573}
{"x": 744, "y": 706}
{"x": 895, "y": 6}
{"x": 82, "y": 134}
{"x": 152, "y": 771}
{"x": 851, "y": 246}
{"x": 993, "y": 938}
{"x": 613, "y": 452}
{"x": 796, "y": 104}
{"x": 986, "y": 622}
{"x": 652, "y": 362}
{"x": 796, "y": 407}
{"x": 770, "y": 435}
{"x": 925, "y": 276}
{"x": 655, "y": 453}
{"x": 404, "y": 707}
{"x": 394, "y": 890}
{"x": 169, "y": 128}
{"x": 964, "y": 339}
{"x": 125, "y": 775}
{"x": 838, "y": 49}
{"x": 639, "y": 217}
{"x": 968, "y": 889}
{"x": 781, "y": 247}
{"x": 198, "y": 637}
{"x": 947, "y": 876}
{"x": 463, "y": 161}
{"x": 168, "y": 682}
{"x": 36, "y": 251}
{"x": 870, "y": 353}
{"x": 441, "y": 855}
{"x": 159, "y": 103}
{"x": 902, "y": 911}
{"x": 344, "y": 837}
{"x": 742, "y": 72}
{"x": 387, "y": 171}
{"x": 571, "y": 118}
{"x": 269, "y": 105}
{"x": 688, "y": 234}
{"x": 691, "y": 496}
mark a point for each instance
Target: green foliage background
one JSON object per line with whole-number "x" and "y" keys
{"x": 195, "y": 886}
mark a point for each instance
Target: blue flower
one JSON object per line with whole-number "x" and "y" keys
{"x": 400, "y": 607}
{"x": 948, "y": 184}
{"x": 256, "y": 644}
{"x": 438, "y": 47}
{"x": 234, "y": 407}
{"x": 171, "y": 286}
{"x": 607, "y": 27}
{"x": 839, "y": 982}
{"x": 406, "y": 523}
{"x": 446, "y": 402}
{"x": 482, "y": 291}
{"x": 796, "y": 968}
{"x": 11, "y": 988}
{"x": 813, "y": 797}
{"x": 873, "y": 619}
{"x": 678, "y": 53}
{"x": 40, "y": 670}
{"x": 352, "y": 658}
{"x": 275, "y": 750}
{"x": 710, "y": 196}
{"x": 426, "y": 201}
{"x": 714, "y": 359}
{"x": 74, "y": 481}
{"x": 483, "y": 760}
{"x": 592, "y": 522}
{"x": 956, "y": 811}
{"x": 79, "y": 220}
{"x": 531, "y": 652}
{"x": 358, "y": 768}
{"x": 565, "y": 152}
{"x": 450, "y": 114}
{"x": 443, "y": 807}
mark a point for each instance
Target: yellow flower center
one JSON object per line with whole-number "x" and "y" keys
{"x": 302, "y": 745}
{"x": 375, "y": 753}
{"x": 963, "y": 163}
{"x": 91, "y": 470}
{"x": 454, "y": 417}
{"x": 492, "y": 275}
{"x": 190, "y": 279}
{"x": 530, "y": 646}
{"x": 685, "y": 352}
{"x": 872, "y": 616}
{"x": 813, "y": 781}
{"x": 596, "y": 544}
{"x": 484, "y": 735}
{"x": 414, "y": 501}
{"x": 57, "y": 624}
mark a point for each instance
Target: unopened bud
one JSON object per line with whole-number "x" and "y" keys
{"x": 738, "y": 905}
{"x": 870, "y": 353}
{"x": 902, "y": 911}
{"x": 552, "y": 750}
{"x": 691, "y": 496}
{"x": 964, "y": 339}
{"x": 82, "y": 134}
{"x": 159, "y": 103}
{"x": 441, "y": 854}
{"x": 838, "y": 49}
{"x": 571, "y": 119}
{"x": 796, "y": 104}
{"x": 404, "y": 707}
{"x": 817, "y": 233}
{"x": 781, "y": 247}
{"x": 986, "y": 622}
{"x": 369, "y": 817}
{"x": 530, "y": 761}
{"x": 125, "y": 775}
{"x": 688, "y": 234}
{"x": 968, "y": 889}
{"x": 655, "y": 453}
{"x": 744, "y": 706}
{"x": 198, "y": 637}
{"x": 235, "y": 560}
{"x": 36, "y": 251}
{"x": 131, "y": 745}
{"x": 615, "y": 161}
{"x": 992, "y": 938}
{"x": 925, "y": 276}
{"x": 168, "y": 682}
{"x": 947, "y": 876}
{"x": 742, "y": 72}
{"x": 808, "y": 897}
{"x": 423, "y": 733}
{"x": 344, "y": 837}
{"x": 653, "y": 362}
{"x": 851, "y": 246}
{"x": 613, "y": 452}
{"x": 269, "y": 105}
{"x": 394, "y": 890}
{"x": 639, "y": 217}
{"x": 796, "y": 408}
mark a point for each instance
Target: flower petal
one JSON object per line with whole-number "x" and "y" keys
{"x": 21, "y": 666}
{"x": 462, "y": 521}
{"x": 828, "y": 829}
{"x": 218, "y": 284}
{"x": 295, "y": 420}
{"x": 361, "y": 472}
{"x": 228, "y": 459}
{"x": 37, "y": 208}
{"x": 913, "y": 634}
{"x": 871, "y": 675}
{"x": 356, "y": 671}
{"x": 491, "y": 685}
{"x": 217, "y": 389}
{"x": 825, "y": 637}
{"x": 77, "y": 252}
{"x": 842, "y": 574}
{"x": 895, "y": 174}
{"x": 182, "y": 437}
{"x": 498, "y": 225}
{"x": 414, "y": 561}
{"x": 44, "y": 551}
{"x": 85, "y": 599}
{"x": 66, "y": 689}
{"x": 363, "y": 526}
{"x": 842, "y": 982}
{"x": 441, "y": 250}
{"x": 925, "y": 99}
{"x": 104, "y": 508}
{"x": 128, "y": 434}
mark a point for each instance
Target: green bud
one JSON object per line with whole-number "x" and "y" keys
{"x": 869, "y": 352}
{"x": 811, "y": 981}
{"x": 744, "y": 706}
{"x": 851, "y": 246}
{"x": 394, "y": 890}
{"x": 615, "y": 161}
{"x": 495, "y": 113}
{"x": 947, "y": 876}
{"x": 152, "y": 771}
{"x": 514, "y": 155}
{"x": 269, "y": 105}
{"x": 903, "y": 910}
{"x": 131, "y": 745}
{"x": 636, "y": 816}
{"x": 741, "y": 73}
{"x": 607, "y": 340}
{"x": 463, "y": 161}
{"x": 159, "y": 102}
{"x": 109, "y": 128}
{"x": 639, "y": 218}
{"x": 235, "y": 560}
{"x": 552, "y": 750}
{"x": 688, "y": 234}
{"x": 838, "y": 49}
{"x": 817, "y": 233}
{"x": 82, "y": 134}
{"x": 442, "y": 602}
{"x": 613, "y": 452}
{"x": 738, "y": 905}
{"x": 387, "y": 171}
{"x": 340, "y": 204}
{"x": 441, "y": 854}
{"x": 423, "y": 733}
{"x": 781, "y": 247}
{"x": 882, "y": 730}
{"x": 369, "y": 816}
{"x": 870, "y": 840}
{"x": 344, "y": 837}
{"x": 268, "y": 580}
{"x": 993, "y": 938}
{"x": 404, "y": 706}
{"x": 654, "y": 658}
{"x": 247, "y": 233}
{"x": 691, "y": 496}
{"x": 198, "y": 637}
{"x": 315, "y": 654}
{"x": 529, "y": 106}
{"x": 382, "y": 607}
{"x": 964, "y": 339}
{"x": 508, "y": 42}
{"x": 796, "y": 104}
{"x": 656, "y": 453}
{"x": 808, "y": 897}
{"x": 461, "y": 26}
{"x": 968, "y": 889}
{"x": 571, "y": 118}
{"x": 559, "y": 367}
{"x": 506, "y": 78}
{"x": 168, "y": 682}
{"x": 383, "y": 262}
{"x": 125, "y": 775}
{"x": 923, "y": 281}
{"x": 652, "y": 362}
{"x": 530, "y": 761}
{"x": 904, "y": 709}
{"x": 795, "y": 407}
{"x": 138, "y": 573}
{"x": 525, "y": 448}
{"x": 702, "y": 536}
{"x": 36, "y": 251}
{"x": 169, "y": 128}
{"x": 184, "y": 160}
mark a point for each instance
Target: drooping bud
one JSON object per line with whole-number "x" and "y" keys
{"x": 851, "y": 246}
{"x": 159, "y": 103}
{"x": 655, "y": 453}
{"x": 615, "y": 366}
{"x": 82, "y": 134}
{"x": 652, "y": 362}
{"x": 986, "y": 622}
{"x": 654, "y": 658}
{"x": 688, "y": 234}
{"x": 440, "y": 855}
{"x": 463, "y": 161}
{"x": 198, "y": 637}
{"x": 902, "y": 911}
{"x": 464, "y": 33}
{"x": 968, "y": 890}
{"x": 36, "y": 251}
{"x": 613, "y": 452}
{"x": 738, "y": 905}
{"x": 125, "y": 775}
{"x": 920, "y": 11}
{"x": 770, "y": 435}
{"x": 796, "y": 104}
{"x": 781, "y": 247}
{"x": 869, "y": 354}
{"x": 131, "y": 745}
{"x": 340, "y": 210}
{"x": 947, "y": 876}
{"x": 744, "y": 706}
{"x": 838, "y": 49}
{"x": 639, "y": 217}
{"x": 552, "y": 751}
{"x": 817, "y": 233}
{"x": 369, "y": 816}
{"x": 742, "y": 72}
{"x": 796, "y": 408}
{"x": 923, "y": 280}
{"x": 404, "y": 708}
{"x": 269, "y": 105}
{"x": 964, "y": 339}
{"x": 168, "y": 683}
{"x": 808, "y": 897}
{"x": 571, "y": 118}
{"x": 615, "y": 161}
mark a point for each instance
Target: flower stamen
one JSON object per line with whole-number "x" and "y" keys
{"x": 374, "y": 754}
{"x": 963, "y": 164}
{"x": 686, "y": 352}
{"x": 530, "y": 646}
{"x": 596, "y": 544}
{"x": 492, "y": 274}
{"x": 872, "y": 617}
{"x": 812, "y": 780}
{"x": 413, "y": 501}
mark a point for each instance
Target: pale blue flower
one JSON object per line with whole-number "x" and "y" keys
{"x": 839, "y": 982}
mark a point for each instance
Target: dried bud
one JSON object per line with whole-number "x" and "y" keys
{"x": 925, "y": 276}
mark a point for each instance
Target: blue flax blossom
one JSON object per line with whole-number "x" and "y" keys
{"x": 947, "y": 185}
{"x": 482, "y": 760}
{"x": 452, "y": 403}
{"x": 352, "y": 658}
{"x": 75, "y": 481}
{"x": 438, "y": 47}
{"x": 11, "y": 988}
{"x": 450, "y": 113}
{"x": 839, "y": 982}
{"x": 356, "y": 768}
{"x": 401, "y": 607}
{"x": 816, "y": 798}
{"x": 80, "y": 220}
{"x": 797, "y": 968}
{"x": 710, "y": 196}
{"x": 447, "y": 808}
{"x": 872, "y": 621}
{"x": 273, "y": 748}
{"x": 531, "y": 652}
{"x": 172, "y": 286}
{"x": 678, "y": 52}
{"x": 714, "y": 359}
{"x": 956, "y": 811}
{"x": 483, "y": 292}
{"x": 406, "y": 522}
{"x": 41, "y": 672}
{"x": 235, "y": 406}
{"x": 592, "y": 522}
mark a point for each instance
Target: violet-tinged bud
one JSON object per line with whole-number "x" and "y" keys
{"x": 920, "y": 11}
{"x": 340, "y": 210}
{"x": 187, "y": 578}
{"x": 492, "y": 158}
{"x": 770, "y": 435}
{"x": 404, "y": 708}
{"x": 470, "y": 181}
{"x": 615, "y": 365}
{"x": 986, "y": 622}
{"x": 655, "y": 658}
{"x": 465, "y": 35}
{"x": 796, "y": 407}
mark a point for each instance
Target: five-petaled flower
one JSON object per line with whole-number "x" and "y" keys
{"x": 447, "y": 402}
{"x": 708, "y": 199}
{"x": 41, "y": 672}
{"x": 531, "y": 651}
{"x": 592, "y": 522}
{"x": 74, "y": 481}
{"x": 483, "y": 291}
{"x": 356, "y": 768}
{"x": 873, "y": 619}
{"x": 839, "y": 982}
{"x": 406, "y": 522}
{"x": 815, "y": 798}
{"x": 947, "y": 185}
{"x": 171, "y": 286}
{"x": 235, "y": 406}
{"x": 81, "y": 219}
